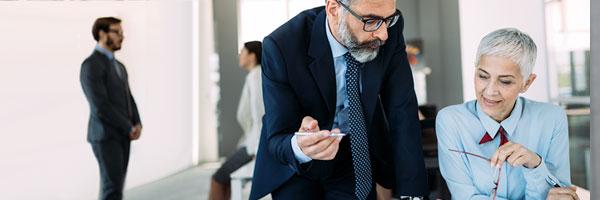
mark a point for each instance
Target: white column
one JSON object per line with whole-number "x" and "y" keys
{"x": 205, "y": 141}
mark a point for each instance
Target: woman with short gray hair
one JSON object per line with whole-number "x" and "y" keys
{"x": 502, "y": 145}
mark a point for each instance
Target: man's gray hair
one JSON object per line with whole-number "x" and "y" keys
{"x": 343, "y": 11}
{"x": 512, "y": 44}
{"x": 347, "y": 2}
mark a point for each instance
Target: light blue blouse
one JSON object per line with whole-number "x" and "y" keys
{"x": 540, "y": 127}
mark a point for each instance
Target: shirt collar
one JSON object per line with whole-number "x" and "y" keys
{"x": 337, "y": 49}
{"x": 509, "y": 124}
{"x": 104, "y": 51}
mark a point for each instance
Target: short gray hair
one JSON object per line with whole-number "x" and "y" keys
{"x": 512, "y": 44}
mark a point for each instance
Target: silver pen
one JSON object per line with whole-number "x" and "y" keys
{"x": 552, "y": 182}
{"x": 310, "y": 133}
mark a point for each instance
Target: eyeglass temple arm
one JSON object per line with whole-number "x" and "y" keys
{"x": 472, "y": 154}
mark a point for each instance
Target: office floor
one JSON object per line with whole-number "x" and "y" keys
{"x": 191, "y": 184}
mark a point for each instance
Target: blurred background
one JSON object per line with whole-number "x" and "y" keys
{"x": 182, "y": 59}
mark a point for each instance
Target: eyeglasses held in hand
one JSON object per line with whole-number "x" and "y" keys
{"x": 497, "y": 177}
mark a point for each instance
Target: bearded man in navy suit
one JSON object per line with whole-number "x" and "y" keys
{"x": 341, "y": 68}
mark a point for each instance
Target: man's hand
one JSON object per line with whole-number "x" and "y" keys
{"x": 516, "y": 155}
{"x": 318, "y": 146}
{"x": 136, "y": 132}
{"x": 563, "y": 193}
{"x": 383, "y": 193}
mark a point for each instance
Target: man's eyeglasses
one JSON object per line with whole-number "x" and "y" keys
{"x": 373, "y": 23}
{"x": 496, "y": 177}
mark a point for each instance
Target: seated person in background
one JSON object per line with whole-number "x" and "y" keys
{"x": 249, "y": 115}
{"x": 501, "y": 145}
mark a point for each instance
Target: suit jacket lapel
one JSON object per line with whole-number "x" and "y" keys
{"x": 372, "y": 75}
{"x": 321, "y": 67}
{"x": 106, "y": 62}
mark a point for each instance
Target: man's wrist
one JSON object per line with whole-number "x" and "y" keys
{"x": 298, "y": 154}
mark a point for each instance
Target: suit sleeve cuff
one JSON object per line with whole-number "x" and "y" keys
{"x": 300, "y": 156}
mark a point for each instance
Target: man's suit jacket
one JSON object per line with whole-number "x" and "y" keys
{"x": 113, "y": 111}
{"x": 299, "y": 80}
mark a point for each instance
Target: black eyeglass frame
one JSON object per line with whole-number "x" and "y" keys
{"x": 389, "y": 21}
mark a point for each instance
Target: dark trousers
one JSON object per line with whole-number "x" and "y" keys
{"x": 301, "y": 187}
{"x": 112, "y": 157}
{"x": 235, "y": 161}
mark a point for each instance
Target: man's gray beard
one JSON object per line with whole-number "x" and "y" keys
{"x": 361, "y": 54}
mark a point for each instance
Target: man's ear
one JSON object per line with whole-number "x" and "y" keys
{"x": 331, "y": 7}
{"x": 102, "y": 35}
{"x": 528, "y": 82}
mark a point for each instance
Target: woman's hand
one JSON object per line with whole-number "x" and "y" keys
{"x": 563, "y": 193}
{"x": 516, "y": 155}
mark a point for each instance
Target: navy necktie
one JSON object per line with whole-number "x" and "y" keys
{"x": 358, "y": 132}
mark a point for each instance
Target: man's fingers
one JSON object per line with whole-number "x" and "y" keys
{"x": 331, "y": 150}
{"x": 309, "y": 124}
{"x": 320, "y": 145}
{"x": 326, "y": 154}
{"x": 309, "y": 143}
{"x": 308, "y": 140}
{"x": 313, "y": 126}
{"x": 307, "y": 119}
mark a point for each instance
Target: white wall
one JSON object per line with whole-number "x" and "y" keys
{"x": 477, "y": 18}
{"x": 206, "y": 146}
{"x": 43, "y": 112}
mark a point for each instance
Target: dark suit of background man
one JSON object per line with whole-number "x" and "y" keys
{"x": 114, "y": 118}
{"x": 342, "y": 67}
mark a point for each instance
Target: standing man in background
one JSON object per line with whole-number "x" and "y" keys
{"x": 114, "y": 118}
